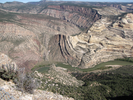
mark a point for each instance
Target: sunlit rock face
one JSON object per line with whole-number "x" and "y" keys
{"x": 55, "y": 33}
{"x": 26, "y": 34}
{"x": 126, "y": 22}
{"x": 100, "y": 44}
{"x": 25, "y": 39}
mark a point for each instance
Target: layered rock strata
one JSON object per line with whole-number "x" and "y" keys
{"x": 100, "y": 44}
{"x": 79, "y": 16}
{"x": 25, "y": 39}
{"x": 51, "y": 35}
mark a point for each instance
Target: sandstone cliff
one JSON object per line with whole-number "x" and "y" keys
{"x": 79, "y": 16}
{"x": 25, "y": 38}
{"x": 100, "y": 44}
{"x": 39, "y": 32}
{"x": 126, "y": 22}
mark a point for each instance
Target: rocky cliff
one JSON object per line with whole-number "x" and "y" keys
{"x": 24, "y": 38}
{"x": 53, "y": 33}
{"x": 79, "y": 16}
{"x": 100, "y": 44}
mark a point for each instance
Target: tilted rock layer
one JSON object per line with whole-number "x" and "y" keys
{"x": 100, "y": 44}
{"x": 53, "y": 33}
{"x": 25, "y": 40}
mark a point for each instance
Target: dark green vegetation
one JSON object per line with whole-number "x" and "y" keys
{"x": 110, "y": 85}
{"x": 10, "y": 75}
{"x": 115, "y": 62}
{"x": 102, "y": 66}
{"x": 126, "y": 59}
{"x": 120, "y": 81}
{"x": 43, "y": 69}
{"x": 42, "y": 66}
{"x": 8, "y": 72}
{"x": 39, "y": 16}
{"x": 6, "y": 16}
{"x": 25, "y": 82}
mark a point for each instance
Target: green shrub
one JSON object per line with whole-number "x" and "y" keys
{"x": 8, "y": 72}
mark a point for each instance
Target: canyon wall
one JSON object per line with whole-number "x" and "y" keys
{"x": 25, "y": 39}
{"x": 79, "y": 16}
{"x": 100, "y": 44}
{"x": 53, "y": 33}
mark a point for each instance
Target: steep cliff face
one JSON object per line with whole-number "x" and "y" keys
{"x": 87, "y": 12}
{"x": 126, "y": 22}
{"x": 25, "y": 38}
{"x": 79, "y": 16}
{"x": 109, "y": 11}
{"x": 100, "y": 44}
{"x": 125, "y": 7}
{"x": 36, "y": 32}
{"x": 60, "y": 50}
{"x": 16, "y": 42}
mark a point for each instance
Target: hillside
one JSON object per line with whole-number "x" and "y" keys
{"x": 64, "y": 32}
{"x": 75, "y": 50}
{"x": 27, "y": 34}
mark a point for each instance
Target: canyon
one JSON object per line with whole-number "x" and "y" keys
{"x": 79, "y": 35}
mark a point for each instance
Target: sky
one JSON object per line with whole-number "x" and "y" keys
{"x": 25, "y": 1}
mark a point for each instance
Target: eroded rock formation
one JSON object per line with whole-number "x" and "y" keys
{"x": 53, "y": 33}
{"x": 100, "y": 44}
{"x": 26, "y": 38}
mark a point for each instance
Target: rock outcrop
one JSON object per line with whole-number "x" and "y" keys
{"x": 7, "y": 64}
{"x": 126, "y": 22}
{"x": 100, "y": 44}
{"x": 79, "y": 16}
{"x": 61, "y": 50}
{"x": 52, "y": 33}
{"x": 60, "y": 75}
{"x": 12, "y": 93}
{"x": 109, "y": 11}
{"x": 25, "y": 39}
{"x": 27, "y": 36}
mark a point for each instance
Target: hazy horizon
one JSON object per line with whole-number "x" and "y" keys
{"x": 25, "y": 1}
